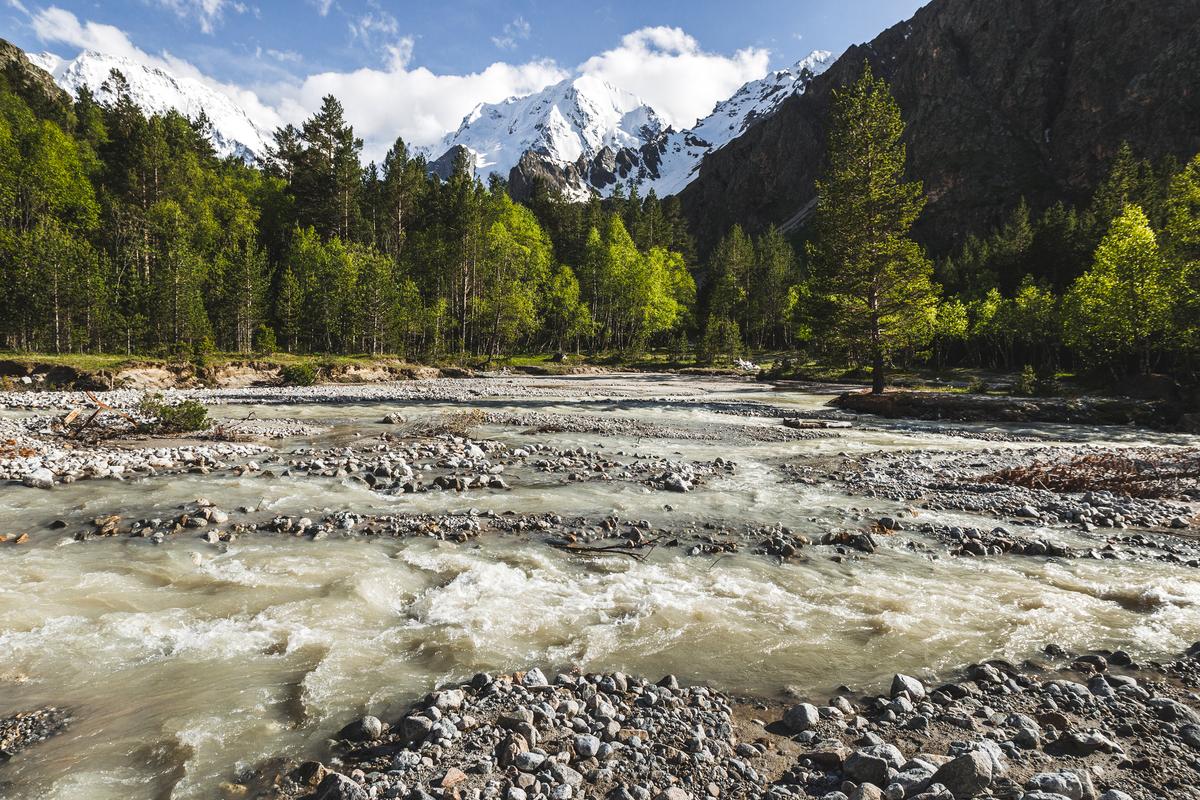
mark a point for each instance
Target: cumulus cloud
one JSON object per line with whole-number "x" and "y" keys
{"x": 514, "y": 33}
{"x": 415, "y": 103}
{"x": 665, "y": 66}
{"x": 668, "y": 69}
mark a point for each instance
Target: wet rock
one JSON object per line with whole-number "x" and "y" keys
{"x": 336, "y": 786}
{"x": 367, "y": 729}
{"x": 40, "y": 478}
{"x": 906, "y": 683}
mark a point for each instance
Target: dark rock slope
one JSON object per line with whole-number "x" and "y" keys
{"x": 1002, "y": 100}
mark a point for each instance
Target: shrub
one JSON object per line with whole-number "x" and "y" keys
{"x": 1027, "y": 384}
{"x": 978, "y": 386}
{"x": 264, "y": 340}
{"x": 183, "y": 417}
{"x": 298, "y": 375}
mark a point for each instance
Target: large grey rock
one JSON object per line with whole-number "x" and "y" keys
{"x": 1170, "y": 710}
{"x": 337, "y": 786}
{"x": 866, "y": 791}
{"x": 1190, "y": 735}
{"x": 967, "y": 775}
{"x": 862, "y": 767}
{"x": 40, "y": 478}
{"x": 534, "y": 678}
{"x": 1075, "y": 743}
{"x": 1065, "y": 783}
{"x": 907, "y": 683}
{"x": 888, "y": 752}
{"x": 415, "y": 729}
{"x": 674, "y": 793}
{"x": 367, "y": 729}
{"x": 586, "y": 746}
{"x": 801, "y": 717}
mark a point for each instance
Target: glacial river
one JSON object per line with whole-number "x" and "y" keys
{"x": 186, "y": 663}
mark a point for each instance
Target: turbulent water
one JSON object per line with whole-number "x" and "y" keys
{"x": 183, "y": 664}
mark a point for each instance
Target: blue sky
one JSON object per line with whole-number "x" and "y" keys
{"x": 437, "y": 59}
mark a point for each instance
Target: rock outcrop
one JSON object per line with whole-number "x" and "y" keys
{"x": 1028, "y": 98}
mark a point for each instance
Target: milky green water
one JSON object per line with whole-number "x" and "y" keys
{"x": 185, "y": 663}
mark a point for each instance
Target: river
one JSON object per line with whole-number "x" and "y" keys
{"x": 184, "y": 664}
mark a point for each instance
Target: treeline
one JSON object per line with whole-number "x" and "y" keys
{"x": 123, "y": 233}
{"x": 1112, "y": 288}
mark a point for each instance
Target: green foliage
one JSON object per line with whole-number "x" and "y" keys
{"x": 301, "y": 374}
{"x": 125, "y": 233}
{"x": 878, "y": 279}
{"x": 978, "y": 386}
{"x": 1027, "y": 383}
{"x": 721, "y": 342}
{"x": 186, "y": 416}
{"x": 1122, "y": 307}
{"x": 265, "y": 342}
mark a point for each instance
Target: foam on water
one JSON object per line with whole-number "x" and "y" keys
{"x": 183, "y": 662}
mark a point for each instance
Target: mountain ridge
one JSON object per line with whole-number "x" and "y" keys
{"x": 531, "y": 138}
{"x": 157, "y": 91}
{"x": 1028, "y": 99}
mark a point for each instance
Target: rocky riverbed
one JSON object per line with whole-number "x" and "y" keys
{"x": 208, "y": 611}
{"x": 1091, "y": 727}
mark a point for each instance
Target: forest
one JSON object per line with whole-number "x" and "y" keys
{"x": 126, "y": 234}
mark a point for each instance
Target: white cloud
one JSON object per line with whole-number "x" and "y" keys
{"x": 18, "y": 5}
{"x": 207, "y": 12}
{"x": 414, "y": 103}
{"x": 323, "y": 6}
{"x": 514, "y": 32}
{"x": 668, "y": 69}
{"x": 379, "y": 32}
{"x": 285, "y": 56}
{"x": 665, "y": 66}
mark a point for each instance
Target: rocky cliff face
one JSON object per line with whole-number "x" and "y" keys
{"x": 1002, "y": 100}
{"x": 33, "y": 84}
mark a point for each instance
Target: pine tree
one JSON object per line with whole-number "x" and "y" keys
{"x": 879, "y": 279}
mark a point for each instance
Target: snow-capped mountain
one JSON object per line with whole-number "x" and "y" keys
{"x": 680, "y": 153}
{"x": 563, "y": 124}
{"x": 156, "y": 91}
{"x": 587, "y": 137}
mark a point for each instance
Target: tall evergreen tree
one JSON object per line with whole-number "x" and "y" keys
{"x": 879, "y": 279}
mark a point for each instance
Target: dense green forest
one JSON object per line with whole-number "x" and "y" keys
{"x": 122, "y": 233}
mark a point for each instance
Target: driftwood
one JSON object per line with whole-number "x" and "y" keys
{"x": 1150, "y": 477}
{"x": 101, "y": 407}
{"x": 613, "y": 549}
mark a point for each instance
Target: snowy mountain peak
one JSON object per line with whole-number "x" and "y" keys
{"x": 572, "y": 120}
{"x": 157, "y": 91}
{"x": 679, "y": 155}
{"x": 587, "y": 136}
